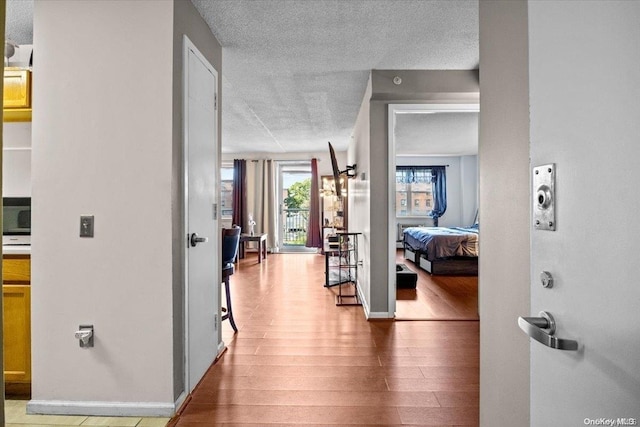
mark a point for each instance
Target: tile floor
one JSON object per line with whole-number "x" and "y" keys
{"x": 16, "y": 416}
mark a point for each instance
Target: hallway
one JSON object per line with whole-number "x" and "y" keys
{"x": 299, "y": 359}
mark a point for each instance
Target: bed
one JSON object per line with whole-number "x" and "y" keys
{"x": 443, "y": 250}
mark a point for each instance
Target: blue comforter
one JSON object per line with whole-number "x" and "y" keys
{"x": 443, "y": 242}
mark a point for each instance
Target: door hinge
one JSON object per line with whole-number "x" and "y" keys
{"x": 215, "y": 322}
{"x": 215, "y": 101}
{"x": 215, "y": 211}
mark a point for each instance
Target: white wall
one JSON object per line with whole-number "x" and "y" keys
{"x": 21, "y": 56}
{"x": 360, "y": 194}
{"x": 504, "y": 213}
{"x": 102, "y": 145}
{"x": 468, "y": 189}
{"x": 16, "y": 159}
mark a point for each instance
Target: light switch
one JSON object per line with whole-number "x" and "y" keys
{"x": 86, "y": 226}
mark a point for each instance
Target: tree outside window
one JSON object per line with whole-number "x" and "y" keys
{"x": 298, "y": 195}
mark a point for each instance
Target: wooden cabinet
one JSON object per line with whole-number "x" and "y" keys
{"x": 17, "y": 95}
{"x": 16, "y": 298}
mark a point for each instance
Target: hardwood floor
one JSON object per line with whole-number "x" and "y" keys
{"x": 437, "y": 297}
{"x": 298, "y": 359}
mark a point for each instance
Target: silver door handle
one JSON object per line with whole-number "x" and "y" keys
{"x": 194, "y": 239}
{"x": 542, "y": 329}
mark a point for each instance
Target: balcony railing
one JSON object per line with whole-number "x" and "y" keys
{"x": 295, "y": 223}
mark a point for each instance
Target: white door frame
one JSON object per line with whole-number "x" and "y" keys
{"x": 187, "y": 47}
{"x": 406, "y": 109}
{"x": 283, "y": 165}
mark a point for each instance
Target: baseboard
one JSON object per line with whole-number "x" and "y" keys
{"x": 179, "y": 402}
{"x": 371, "y": 314}
{"x": 365, "y": 303}
{"x": 106, "y": 409}
{"x": 379, "y": 315}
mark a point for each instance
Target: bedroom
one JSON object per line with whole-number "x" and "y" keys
{"x": 427, "y": 138}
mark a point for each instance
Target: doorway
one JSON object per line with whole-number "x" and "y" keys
{"x": 426, "y": 142}
{"x": 294, "y": 198}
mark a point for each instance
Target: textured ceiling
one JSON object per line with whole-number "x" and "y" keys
{"x": 295, "y": 71}
{"x": 19, "y": 21}
{"x": 436, "y": 134}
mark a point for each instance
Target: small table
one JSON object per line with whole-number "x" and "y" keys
{"x": 262, "y": 244}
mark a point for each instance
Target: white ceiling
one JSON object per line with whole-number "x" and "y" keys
{"x": 295, "y": 71}
{"x": 437, "y": 134}
{"x": 19, "y": 21}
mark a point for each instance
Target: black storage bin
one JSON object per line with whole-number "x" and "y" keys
{"x": 405, "y": 278}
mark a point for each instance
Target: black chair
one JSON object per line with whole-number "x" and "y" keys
{"x": 230, "y": 243}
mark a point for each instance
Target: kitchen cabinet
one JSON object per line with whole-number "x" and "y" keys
{"x": 17, "y": 95}
{"x": 16, "y": 298}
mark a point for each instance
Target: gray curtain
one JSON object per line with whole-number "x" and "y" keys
{"x": 262, "y": 199}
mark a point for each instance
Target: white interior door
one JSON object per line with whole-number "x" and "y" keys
{"x": 585, "y": 118}
{"x": 201, "y": 198}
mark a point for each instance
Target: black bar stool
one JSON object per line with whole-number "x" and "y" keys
{"x": 230, "y": 242}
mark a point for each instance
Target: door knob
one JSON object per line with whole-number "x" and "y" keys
{"x": 542, "y": 329}
{"x": 195, "y": 239}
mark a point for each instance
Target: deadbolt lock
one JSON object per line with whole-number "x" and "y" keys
{"x": 547, "y": 279}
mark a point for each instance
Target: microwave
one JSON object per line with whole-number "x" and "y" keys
{"x": 16, "y": 220}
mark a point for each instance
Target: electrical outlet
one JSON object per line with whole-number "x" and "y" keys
{"x": 86, "y": 226}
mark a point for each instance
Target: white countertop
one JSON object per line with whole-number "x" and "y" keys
{"x": 16, "y": 249}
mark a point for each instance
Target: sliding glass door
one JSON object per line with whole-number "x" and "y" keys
{"x": 294, "y": 200}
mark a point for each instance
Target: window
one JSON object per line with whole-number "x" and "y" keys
{"x": 226, "y": 197}
{"x": 414, "y": 191}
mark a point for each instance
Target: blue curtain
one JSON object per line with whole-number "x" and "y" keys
{"x": 413, "y": 174}
{"x": 439, "y": 192}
